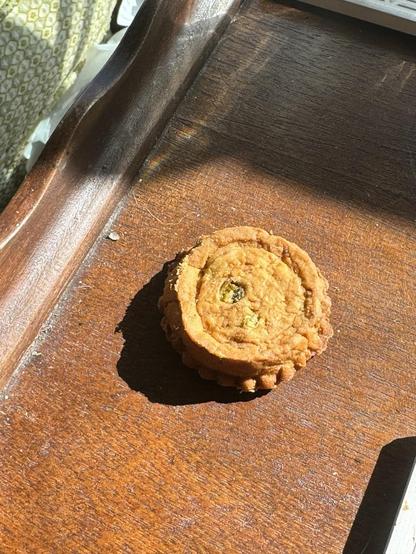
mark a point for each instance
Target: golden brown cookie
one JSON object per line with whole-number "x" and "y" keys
{"x": 246, "y": 308}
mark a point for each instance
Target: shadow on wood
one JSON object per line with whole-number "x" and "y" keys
{"x": 352, "y": 138}
{"x": 148, "y": 363}
{"x": 376, "y": 515}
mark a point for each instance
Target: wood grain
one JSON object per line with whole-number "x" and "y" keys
{"x": 301, "y": 122}
{"x": 57, "y": 214}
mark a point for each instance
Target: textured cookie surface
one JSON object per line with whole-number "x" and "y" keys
{"x": 246, "y": 308}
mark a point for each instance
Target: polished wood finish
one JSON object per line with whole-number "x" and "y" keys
{"x": 57, "y": 214}
{"x": 301, "y": 122}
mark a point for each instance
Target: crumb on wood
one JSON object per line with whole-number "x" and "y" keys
{"x": 113, "y": 236}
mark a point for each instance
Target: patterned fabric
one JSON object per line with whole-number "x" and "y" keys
{"x": 43, "y": 44}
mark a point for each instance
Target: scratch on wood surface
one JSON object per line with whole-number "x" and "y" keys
{"x": 412, "y": 163}
{"x": 397, "y": 76}
{"x": 164, "y": 223}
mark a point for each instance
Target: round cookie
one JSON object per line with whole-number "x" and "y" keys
{"x": 246, "y": 308}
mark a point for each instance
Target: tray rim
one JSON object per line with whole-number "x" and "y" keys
{"x": 57, "y": 214}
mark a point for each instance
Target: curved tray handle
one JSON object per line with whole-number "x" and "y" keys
{"x": 87, "y": 166}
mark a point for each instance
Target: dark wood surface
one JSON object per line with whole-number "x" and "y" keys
{"x": 50, "y": 225}
{"x": 302, "y": 122}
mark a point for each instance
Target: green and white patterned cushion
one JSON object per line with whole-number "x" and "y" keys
{"x": 43, "y": 44}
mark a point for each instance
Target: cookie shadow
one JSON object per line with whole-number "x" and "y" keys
{"x": 148, "y": 363}
{"x": 377, "y": 513}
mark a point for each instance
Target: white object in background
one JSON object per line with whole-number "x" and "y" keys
{"x": 403, "y": 535}
{"x": 127, "y": 10}
{"x": 96, "y": 57}
{"x": 397, "y": 14}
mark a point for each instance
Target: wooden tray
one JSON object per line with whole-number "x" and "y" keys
{"x": 300, "y": 121}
